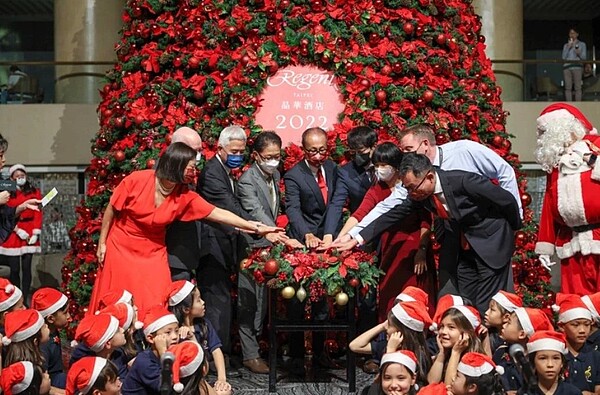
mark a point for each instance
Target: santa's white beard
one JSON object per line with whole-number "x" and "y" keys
{"x": 553, "y": 138}
{"x": 548, "y": 152}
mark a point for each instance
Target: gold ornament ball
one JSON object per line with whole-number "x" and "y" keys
{"x": 341, "y": 299}
{"x": 288, "y": 292}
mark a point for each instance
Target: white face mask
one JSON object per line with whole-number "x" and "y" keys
{"x": 21, "y": 181}
{"x": 384, "y": 173}
{"x": 198, "y": 156}
{"x": 269, "y": 166}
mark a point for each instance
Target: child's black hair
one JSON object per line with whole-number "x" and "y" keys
{"x": 108, "y": 374}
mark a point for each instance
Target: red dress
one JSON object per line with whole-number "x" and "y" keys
{"x": 136, "y": 254}
{"x": 398, "y": 247}
{"x": 30, "y": 221}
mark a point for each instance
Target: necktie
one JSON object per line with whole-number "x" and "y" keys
{"x": 439, "y": 207}
{"x": 322, "y": 184}
{"x": 273, "y": 195}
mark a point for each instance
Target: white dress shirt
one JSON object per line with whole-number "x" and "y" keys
{"x": 462, "y": 155}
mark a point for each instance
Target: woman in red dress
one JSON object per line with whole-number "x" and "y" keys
{"x": 405, "y": 256}
{"x": 131, "y": 248}
{"x": 24, "y": 241}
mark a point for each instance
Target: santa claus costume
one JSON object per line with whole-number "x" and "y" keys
{"x": 24, "y": 241}
{"x": 570, "y": 219}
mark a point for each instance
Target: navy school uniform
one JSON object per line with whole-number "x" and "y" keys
{"x": 117, "y": 357}
{"x": 144, "y": 375}
{"x": 584, "y": 369}
{"x": 379, "y": 346}
{"x": 593, "y": 340}
{"x": 432, "y": 345}
{"x": 511, "y": 379}
{"x": 209, "y": 343}
{"x": 53, "y": 363}
{"x": 562, "y": 389}
{"x": 80, "y": 351}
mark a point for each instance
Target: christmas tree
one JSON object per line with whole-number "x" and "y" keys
{"x": 204, "y": 64}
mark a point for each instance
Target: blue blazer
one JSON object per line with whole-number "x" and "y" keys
{"x": 304, "y": 204}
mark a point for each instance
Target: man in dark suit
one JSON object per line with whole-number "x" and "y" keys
{"x": 309, "y": 186}
{"x": 183, "y": 237}
{"x": 354, "y": 179}
{"x": 479, "y": 223}
{"x": 223, "y": 246}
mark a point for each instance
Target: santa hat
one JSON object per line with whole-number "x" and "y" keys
{"x": 48, "y": 301}
{"x": 413, "y": 315}
{"x": 95, "y": 330}
{"x": 17, "y": 377}
{"x": 474, "y": 364}
{"x": 124, "y": 313}
{"x": 188, "y": 359}
{"x": 508, "y": 301}
{"x": 547, "y": 341}
{"x": 16, "y": 167}
{"x": 83, "y": 374}
{"x": 413, "y": 294}
{"x": 444, "y": 303}
{"x": 570, "y": 307}
{"x": 403, "y": 357}
{"x": 113, "y": 297}
{"x": 20, "y": 325}
{"x": 592, "y": 302}
{"x": 471, "y": 314}
{"x": 9, "y": 294}
{"x": 533, "y": 320}
{"x": 179, "y": 290}
{"x": 158, "y": 317}
{"x": 434, "y": 389}
{"x": 565, "y": 111}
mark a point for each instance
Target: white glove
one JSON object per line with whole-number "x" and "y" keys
{"x": 546, "y": 262}
{"x": 32, "y": 239}
{"x": 21, "y": 233}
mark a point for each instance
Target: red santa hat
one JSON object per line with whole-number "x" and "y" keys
{"x": 471, "y": 314}
{"x": 188, "y": 359}
{"x": 179, "y": 290}
{"x": 48, "y": 301}
{"x": 96, "y": 330}
{"x": 158, "y": 317}
{"x": 444, "y": 303}
{"x": 413, "y": 294}
{"x": 533, "y": 320}
{"x": 547, "y": 341}
{"x": 434, "y": 389}
{"x": 570, "y": 307}
{"x": 9, "y": 294}
{"x": 113, "y": 297}
{"x": 16, "y": 167}
{"x": 17, "y": 377}
{"x": 565, "y": 111}
{"x": 592, "y": 302}
{"x": 20, "y": 325}
{"x": 413, "y": 315}
{"x": 83, "y": 374}
{"x": 123, "y": 312}
{"x": 474, "y": 364}
{"x": 403, "y": 357}
{"x": 508, "y": 301}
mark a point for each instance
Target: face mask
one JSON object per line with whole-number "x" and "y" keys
{"x": 198, "y": 156}
{"x": 362, "y": 160}
{"x": 384, "y": 173}
{"x": 21, "y": 181}
{"x": 234, "y": 161}
{"x": 269, "y": 166}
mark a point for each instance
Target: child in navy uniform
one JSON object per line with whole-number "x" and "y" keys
{"x": 190, "y": 368}
{"x": 161, "y": 330}
{"x": 98, "y": 336}
{"x": 187, "y": 305}
{"x": 583, "y": 362}
{"x": 398, "y": 374}
{"x": 521, "y": 325}
{"x": 498, "y": 313}
{"x": 93, "y": 376}
{"x": 444, "y": 303}
{"x": 24, "y": 378}
{"x": 54, "y": 307}
{"x": 26, "y": 331}
{"x": 476, "y": 374}
{"x": 546, "y": 351}
{"x": 593, "y": 304}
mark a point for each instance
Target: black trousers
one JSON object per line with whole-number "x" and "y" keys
{"x": 214, "y": 282}
{"x": 16, "y": 264}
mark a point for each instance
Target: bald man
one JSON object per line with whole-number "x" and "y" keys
{"x": 184, "y": 238}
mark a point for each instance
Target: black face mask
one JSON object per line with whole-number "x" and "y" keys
{"x": 362, "y": 160}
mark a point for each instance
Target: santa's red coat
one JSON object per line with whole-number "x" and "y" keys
{"x": 30, "y": 221}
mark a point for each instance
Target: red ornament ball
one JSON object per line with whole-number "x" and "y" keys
{"x": 497, "y": 141}
{"x": 365, "y": 82}
{"x": 150, "y": 163}
{"x": 520, "y": 238}
{"x": 408, "y": 28}
{"x": 526, "y": 199}
{"x": 119, "y": 156}
{"x": 354, "y": 282}
{"x": 441, "y": 39}
{"x": 386, "y": 70}
{"x": 231, "y": 31}
{"x": 380, "y": 96}
{"x": 271, "y": 267}
{"x": 428, "y": 96}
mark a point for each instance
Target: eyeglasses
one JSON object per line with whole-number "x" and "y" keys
{"x": 416, "y": 188}
{"x": 408, "y": 150}
{"x": 314, "y": 151}
{"x": 270, "y": 157}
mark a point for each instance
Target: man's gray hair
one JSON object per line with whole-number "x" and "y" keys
{"x": 231, "y": 133}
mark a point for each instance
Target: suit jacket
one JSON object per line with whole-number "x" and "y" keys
{"x": 486, "y": 213}
{"x": 352, "y": 185}
{"x": 184, "y": 245}
{"x": 222, "y": 242}
{"x": 255, "y": 198}
{"x": 304, "y": 203}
